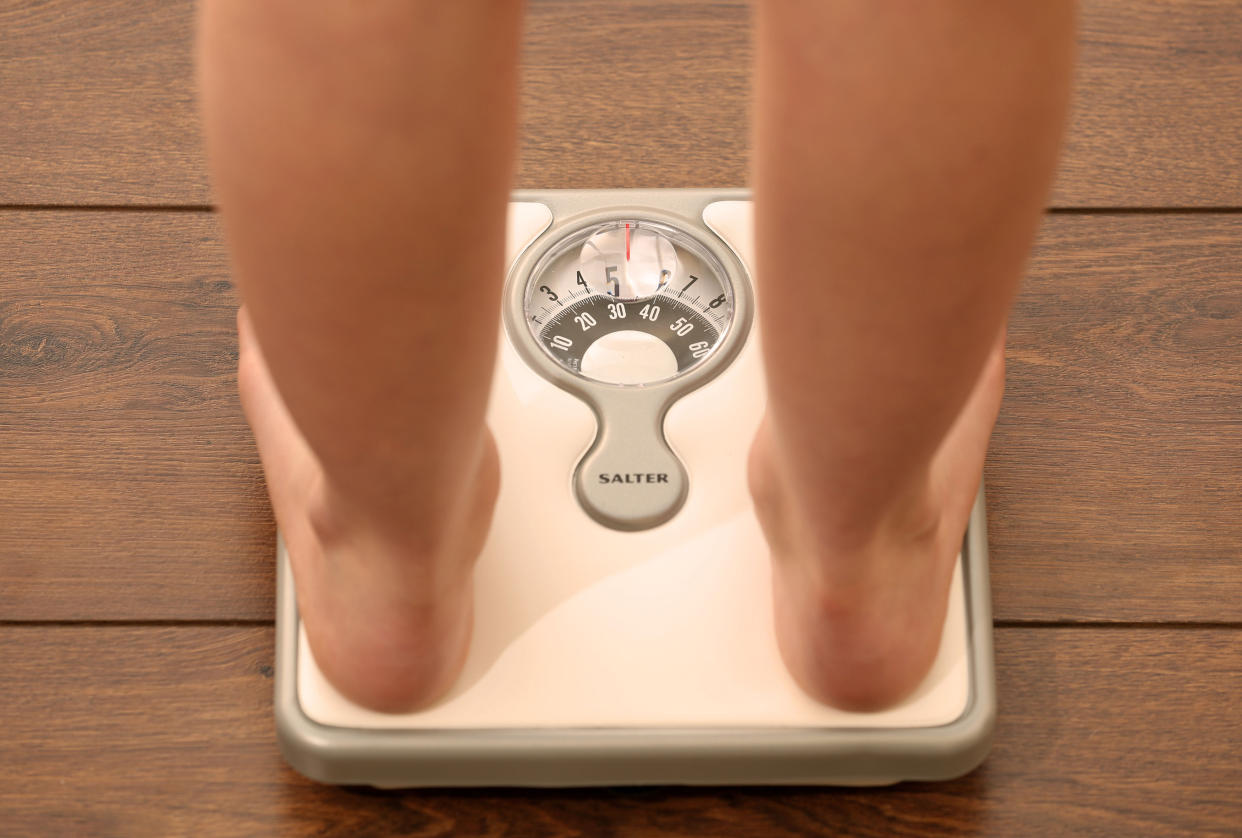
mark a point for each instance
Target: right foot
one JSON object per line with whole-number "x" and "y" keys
{"x": 859, "y": 627}
{"x": 388, "y": 621}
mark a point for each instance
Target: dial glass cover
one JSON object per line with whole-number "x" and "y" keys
{"x": 628, "y": 302}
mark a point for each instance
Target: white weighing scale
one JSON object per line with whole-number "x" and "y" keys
{"x": 623, "y": 621}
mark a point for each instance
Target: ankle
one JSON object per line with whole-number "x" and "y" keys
{"x": 441, "y": 527}
{"x": 339, "y": 517}
{"x": 839, "y": 518}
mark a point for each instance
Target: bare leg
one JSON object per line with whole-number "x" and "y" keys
{"x": 903, "y": 156}
{"x": 362, "y": 155}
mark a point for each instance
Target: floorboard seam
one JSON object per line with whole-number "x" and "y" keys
{"x": 107, "y": 208}
{"x": 1117, "y": 624}
{"x": 1207, "y": 210}
{"x": 136, "y": 623}
{"x": 210, "y": 208}
{"x": 998, "y": 624}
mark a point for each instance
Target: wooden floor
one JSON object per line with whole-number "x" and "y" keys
{"x": 136, "y": 546}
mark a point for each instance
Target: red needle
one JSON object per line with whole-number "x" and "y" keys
{"x": 627, "y": 242}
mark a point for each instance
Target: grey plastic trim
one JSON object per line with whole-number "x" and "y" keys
{"x": 646, "y": 756}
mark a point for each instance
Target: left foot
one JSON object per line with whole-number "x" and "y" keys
{"x": 388, "y": 618}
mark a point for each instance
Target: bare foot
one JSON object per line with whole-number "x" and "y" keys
{"x": 388, "y": 618}
{"x": 859, "y": 628}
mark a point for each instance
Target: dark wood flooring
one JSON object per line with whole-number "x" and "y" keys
{"x": 136, "y": 546}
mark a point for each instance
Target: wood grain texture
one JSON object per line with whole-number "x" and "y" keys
{"x": 98, "y": 103}
{"x": 145, "y": 731}
{"x": 131, "y": 489}
{"x": 1157, "y": 113}
{"x": 1114, "y": 473}
{"x": 129, "y": 485}
{"x": 644, "y": 93}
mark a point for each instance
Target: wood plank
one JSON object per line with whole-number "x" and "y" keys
{"x": 1114, "y": 469}
{"x": 131, "y": 489}
{"x": 651, "y": 94}
{"x": 132, "y": 730}
{"x": 99, "y": 101}
{"x": 1157, "y": 113}
{"x": 1114, "y": 473}
{"x": 128, "y": 479}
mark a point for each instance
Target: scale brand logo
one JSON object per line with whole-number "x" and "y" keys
{"x": 634, "y": 477}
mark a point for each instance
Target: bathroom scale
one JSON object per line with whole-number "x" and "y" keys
{"x": 623, "y": 619}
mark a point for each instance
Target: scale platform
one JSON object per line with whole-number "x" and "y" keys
{"x": 623, "y": 620}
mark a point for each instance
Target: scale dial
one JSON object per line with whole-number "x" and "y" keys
{"x": 629, "y": 314}
{"x": 628, "y": 302}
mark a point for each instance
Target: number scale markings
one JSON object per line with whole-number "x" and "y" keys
{"x": 681, "y": 327}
